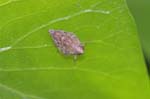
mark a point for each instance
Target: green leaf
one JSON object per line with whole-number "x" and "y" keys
{"x": 112, "y": 66}
{"x": 139, "y": 10}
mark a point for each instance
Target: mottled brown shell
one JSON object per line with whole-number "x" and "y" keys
{"x": 67, "y": 42}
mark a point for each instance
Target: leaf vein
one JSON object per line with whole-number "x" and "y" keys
{"x": 8, "y": 2}
{"x": 21, "y": 94}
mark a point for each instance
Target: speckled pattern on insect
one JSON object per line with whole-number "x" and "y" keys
{"x": 67, "y": 42}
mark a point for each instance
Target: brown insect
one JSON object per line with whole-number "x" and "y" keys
{"x": 67, "y": 43}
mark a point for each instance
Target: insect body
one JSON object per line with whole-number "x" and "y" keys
{"x": 67, "y": 43}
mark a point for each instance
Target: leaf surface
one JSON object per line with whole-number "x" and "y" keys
{"x": 112, "y": 66}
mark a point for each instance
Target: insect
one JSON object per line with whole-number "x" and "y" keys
{"x": 67, "y": 43}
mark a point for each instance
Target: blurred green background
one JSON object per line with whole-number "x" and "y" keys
{"x": 140, "y": 10}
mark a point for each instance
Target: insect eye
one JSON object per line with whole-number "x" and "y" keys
{"x": 51, "y": 31}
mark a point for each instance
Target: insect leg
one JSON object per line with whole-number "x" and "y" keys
{"x": 75, "y": 58}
